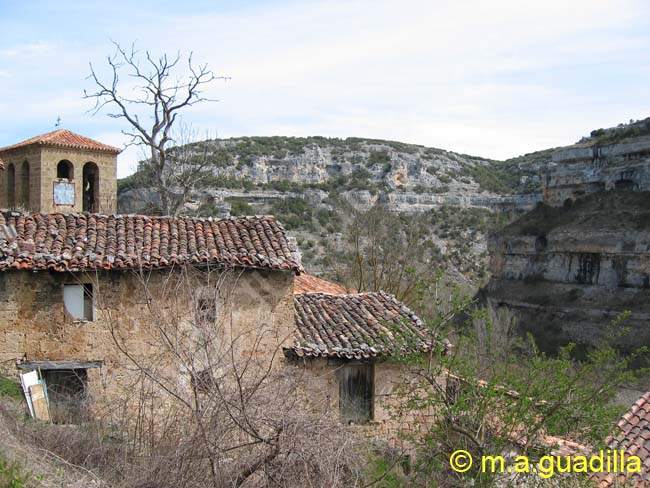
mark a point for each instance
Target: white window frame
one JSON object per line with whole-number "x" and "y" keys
{"x": 79, "y": 301}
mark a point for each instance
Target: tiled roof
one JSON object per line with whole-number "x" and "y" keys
{"x": 633, "y": 437}
{"x": 64, "y": 138}
{"x": 79, "y": 241}
{"x": 310, "y": 284}
{"x": 354, "y": 326}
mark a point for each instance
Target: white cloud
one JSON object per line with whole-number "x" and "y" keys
{"x": 493, "y": 78}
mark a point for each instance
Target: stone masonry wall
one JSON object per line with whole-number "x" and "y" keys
{"x": 107, "y": 165}
{"x": 321, "y": 396}
{"x": 257, "y": 308}
{"x": 17, "y": 158}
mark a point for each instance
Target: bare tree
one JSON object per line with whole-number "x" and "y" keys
{"x": 383, "y": 252}
{"x": 189, "y": 162}
{"x": 151, "y": 98}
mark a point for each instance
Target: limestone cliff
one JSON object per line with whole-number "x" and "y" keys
{"x": 574, "y": 263}
{"x": 569, "y": 271}
{"x": 591, "y": 166}
{"x": 405, "y": 177}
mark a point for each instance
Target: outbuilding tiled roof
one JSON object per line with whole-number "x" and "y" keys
{"x": 306, "y": 283}
{"x": 633, "y": 437}
{"x": 79, "y": 241}
{"x": 355, "y": 326}
{"x": 64, "y": 138}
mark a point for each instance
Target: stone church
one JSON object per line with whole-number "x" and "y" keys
{"x": 59, "y": 172}
{"x": 83, "y": 288}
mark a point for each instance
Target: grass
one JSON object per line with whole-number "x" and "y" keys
{"x": 10, "y": 388}
{"x": 12, "y": 475}
{"x": 384, "y": 472}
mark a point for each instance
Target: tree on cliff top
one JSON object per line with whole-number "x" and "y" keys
{"x": 151, "y": 97}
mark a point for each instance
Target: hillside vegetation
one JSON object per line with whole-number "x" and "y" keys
{"x": 335, "y": 165}
{"x": 619, "y": 133}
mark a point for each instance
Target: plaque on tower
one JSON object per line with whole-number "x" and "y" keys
{"x": 63, "y": 193}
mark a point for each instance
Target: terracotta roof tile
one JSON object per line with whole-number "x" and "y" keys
{"x": 306, "y": 283}
{"x": 64, "y": 138}
{"x": 633, "y": 438}
{"x": 355, "y": 326}
{"x": 79, "y": 241}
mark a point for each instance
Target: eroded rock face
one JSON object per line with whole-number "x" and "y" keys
{"x": 587, "y": 168}
{"x": 568, "y": 272}
{"x": 408, "y": 178}
{"x": 570, "y": 268}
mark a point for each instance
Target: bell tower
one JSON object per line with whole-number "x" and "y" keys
{"x": 59, "y": 172}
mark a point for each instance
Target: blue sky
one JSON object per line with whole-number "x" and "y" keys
{"x": 493, "y": 78}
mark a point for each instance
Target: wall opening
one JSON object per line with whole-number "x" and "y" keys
{"x": 78, "y": 301}
{"x": 24, "y": 185}
{"x": 206, "y": 305}
{"x": 67, "y": 394}
{"x": 11, "y": 186}
{"x": 356, "y": 393}
{"x": 90, "y": 187}
{"x": 65, "y": 170}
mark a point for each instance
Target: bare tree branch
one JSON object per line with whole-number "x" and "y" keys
{"x": 157, "y": 89}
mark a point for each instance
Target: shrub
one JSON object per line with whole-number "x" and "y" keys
{"x": 240, "y": 207}
{"x": 378, "y": 157}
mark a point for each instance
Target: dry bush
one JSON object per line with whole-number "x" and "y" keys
{"x": 210, "y": 405}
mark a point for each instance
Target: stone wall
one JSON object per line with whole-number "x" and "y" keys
{"x": 320, "y": 380}
{"x": 107, "y": 165}
{"x": 30, "y": 200}
{"x": 255, "y": 310}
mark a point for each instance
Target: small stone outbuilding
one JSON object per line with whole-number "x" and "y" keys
{"x": 345, "y": 346}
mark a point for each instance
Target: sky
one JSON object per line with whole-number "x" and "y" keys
{"x": 496, "y": 78}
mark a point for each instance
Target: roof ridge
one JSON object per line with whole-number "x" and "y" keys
{"x": 63, "y": 138}
{"x": 358, "y": 293}
{"x": 27, "y": 213}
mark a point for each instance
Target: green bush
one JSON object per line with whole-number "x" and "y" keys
{"x": 378, "y": 157}
{"x": 240, "y": 207}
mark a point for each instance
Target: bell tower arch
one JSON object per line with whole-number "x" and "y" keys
{"x": 59, "y": 172}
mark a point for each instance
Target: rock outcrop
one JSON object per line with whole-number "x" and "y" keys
{"x": 590, "y": 167}
{"x": 406, "y": 177}
{"x": 581, "y": 258}
{"x": 568, "y": 272}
